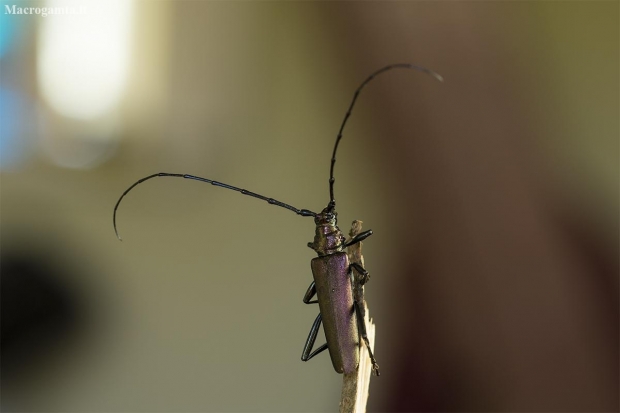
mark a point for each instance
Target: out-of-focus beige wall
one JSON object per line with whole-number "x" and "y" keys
{"x": 493, "y": 198}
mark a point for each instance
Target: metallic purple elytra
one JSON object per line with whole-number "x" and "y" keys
{"x": 331, "y": 276}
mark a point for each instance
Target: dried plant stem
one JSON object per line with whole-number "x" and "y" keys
{"x": 355, "y": 385}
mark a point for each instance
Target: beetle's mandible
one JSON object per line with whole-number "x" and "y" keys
{"x": 333, "y": 285}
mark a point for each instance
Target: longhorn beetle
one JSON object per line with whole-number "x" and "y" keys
{"x": 333, "y": 274}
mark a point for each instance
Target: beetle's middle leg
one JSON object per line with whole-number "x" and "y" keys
{"x": 306, "y": 355}
{"x": 362, "y": 271}
{"x": 361, "y": 327}
{"x": 310, "y": 293}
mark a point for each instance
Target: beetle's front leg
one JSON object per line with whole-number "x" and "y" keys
{"x": 359, "y": 237}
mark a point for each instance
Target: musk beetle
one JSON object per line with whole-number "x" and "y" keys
{"x": 340, "y": 313}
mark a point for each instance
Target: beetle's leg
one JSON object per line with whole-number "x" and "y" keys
{"x": 306, "y": 355}
{"x": 361, "y": 327}
{"x": 309, "y": 294}
{"x": 362, "y": 271}
{"x": 359, "y": 237}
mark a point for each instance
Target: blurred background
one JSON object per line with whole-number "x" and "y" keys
{"x": 493, "y": 198}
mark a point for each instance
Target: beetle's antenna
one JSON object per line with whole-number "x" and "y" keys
{"x": 302, "y": 212}
{"x": 332, "y": 201}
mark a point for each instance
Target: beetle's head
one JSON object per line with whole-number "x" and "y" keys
{"x": 328, "y": 238}
{"x": 328, "y": 216}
